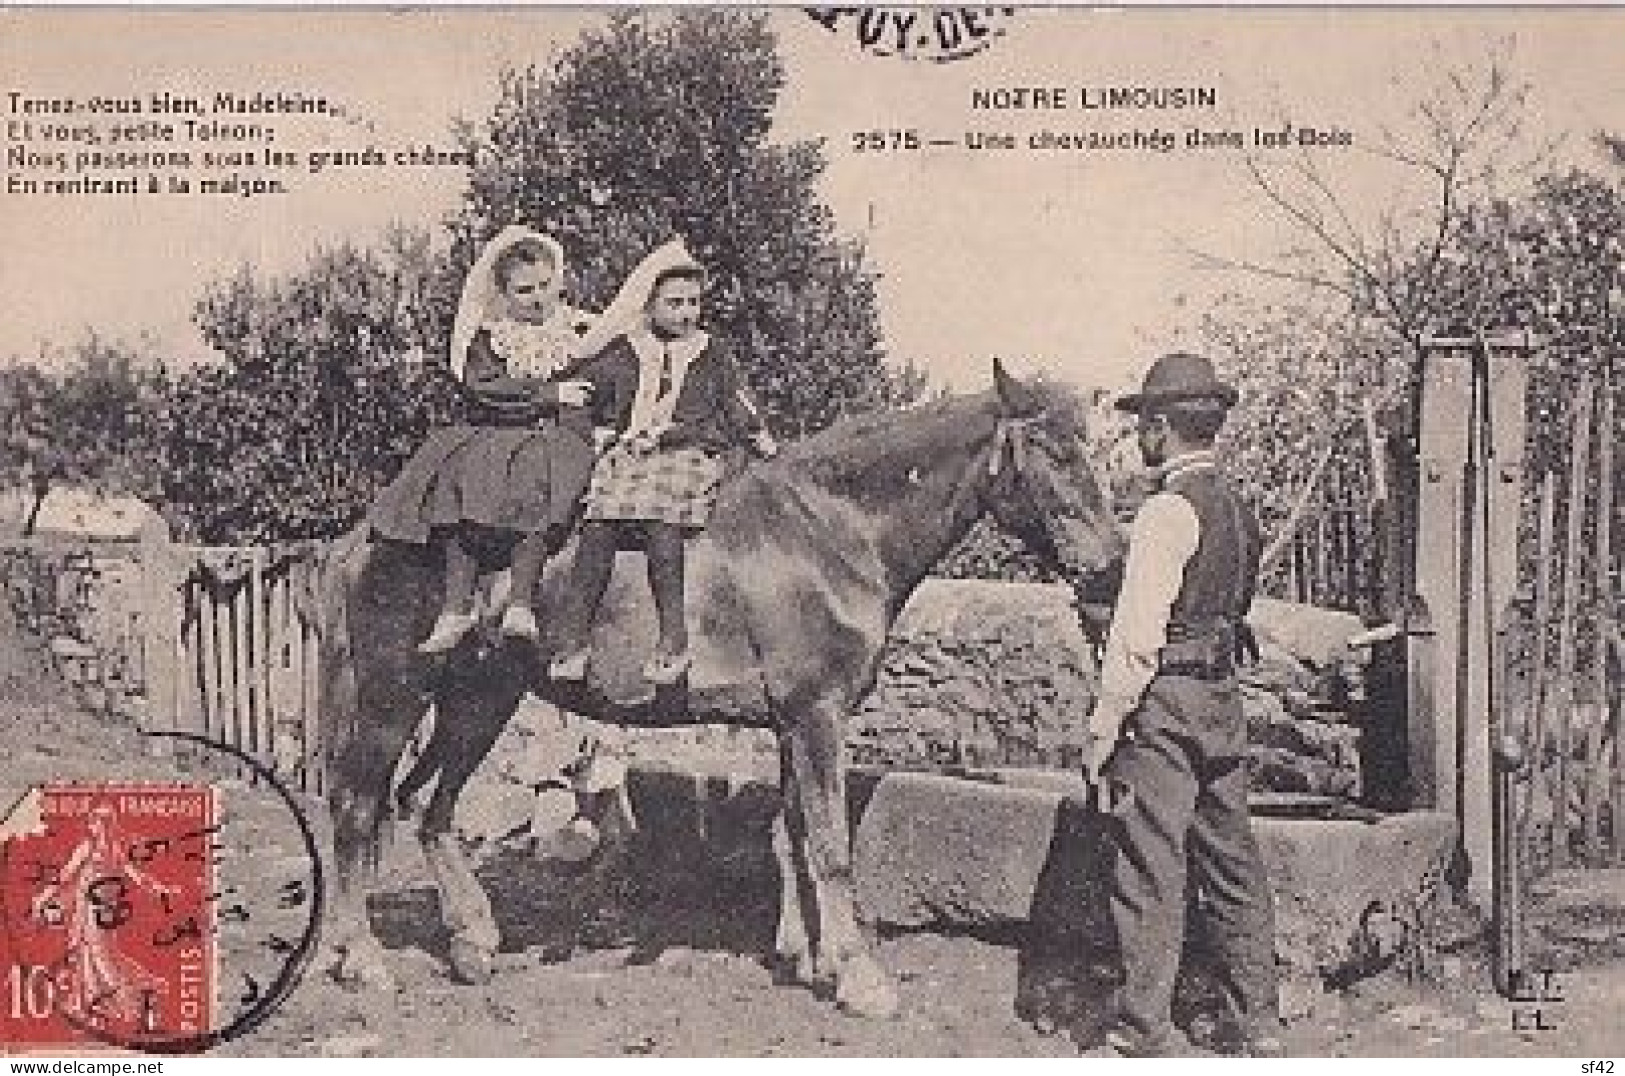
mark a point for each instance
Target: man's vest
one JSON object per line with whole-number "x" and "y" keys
{"x": 1220, "y": 576}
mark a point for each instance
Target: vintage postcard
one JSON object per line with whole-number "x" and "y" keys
{"x": 812, "y": 531}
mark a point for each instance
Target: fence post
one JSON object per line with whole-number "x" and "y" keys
{"x": 294, "y": 698}
{"x": 1567, "y": 615}
{"x": 1536, "y": 737}
{"x": 162, "y": 608}
{"x": 312, "y": 745}
{"x": 282, "y": 687}
{"x": 220, "y": 665}
{"x": 191, "y": 685}
{"x": 253, "y": 632}
{"x": 1455, "y": 582}
{"x": 1598, "y": 776}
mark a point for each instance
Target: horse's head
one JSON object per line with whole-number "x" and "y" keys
{"x": 1042, "y": 487}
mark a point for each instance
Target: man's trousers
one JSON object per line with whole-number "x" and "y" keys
{"x": 1186, "y": 821}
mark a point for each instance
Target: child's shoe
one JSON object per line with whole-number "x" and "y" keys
{"x": 667, "y": 668}
{"x": 572, "y": 666}
{"x": 520, "y": 623}
{"x": 449, "y": 629}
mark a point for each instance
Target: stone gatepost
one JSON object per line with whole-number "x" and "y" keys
{"x": 1464, "y": 551}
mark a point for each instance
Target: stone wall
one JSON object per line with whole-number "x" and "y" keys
{"x": 985, "y": 674}
{"x": 1001, "y": 674}
{"x": 1020, "y": 849}
{"x": 981, "y": 672}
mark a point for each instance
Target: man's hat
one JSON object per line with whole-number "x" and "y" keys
{"x": 1178, "y": 378}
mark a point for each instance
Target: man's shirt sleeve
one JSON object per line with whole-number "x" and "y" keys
{"x": 1161, "y": 542}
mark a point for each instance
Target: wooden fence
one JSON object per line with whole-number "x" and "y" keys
{"x": 1328, "y": 552}
{"x": 213, "y": 642}
{"x": 1349, "y": 540}
{"x": 1565, "y": 646}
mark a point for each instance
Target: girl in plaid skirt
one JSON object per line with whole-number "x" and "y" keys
{"x": 672, "y": 398}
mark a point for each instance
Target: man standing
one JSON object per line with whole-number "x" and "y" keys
{"x": 1168, "y": 736}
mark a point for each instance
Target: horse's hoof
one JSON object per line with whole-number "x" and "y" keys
{"x": 793, "y": 969}
{"x": 364, "y": 973}
{"x": 866, "y": 990}
{"x": 470, "y": 963}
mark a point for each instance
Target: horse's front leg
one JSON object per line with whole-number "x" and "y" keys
{"x": 792, "y": 949}
{"x": 862, "y": 986}
{"x": 467, "y": 723}
{"x": 362, "y": 768}
{"x": 355, "y": 955}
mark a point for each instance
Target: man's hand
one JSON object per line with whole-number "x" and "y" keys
{"x": 574, "y": 393}
{"x": 642, "y": 442}
{"x": 764, "y": 444}
{"x": 1106, "y": 725}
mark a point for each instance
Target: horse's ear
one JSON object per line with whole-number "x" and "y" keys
{"x": 1016, "y": 398}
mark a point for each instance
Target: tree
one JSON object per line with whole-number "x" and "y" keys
{"x": 90, "y": 424}
{"x": 1450, "y": 253}
{"x": 326, "y": 388}
{"x": 1313, "y": 373}
{"x": 25, "y": 404}
{"x": 659, "y": 125}
{"x": 1458, "y": 147}
{"x": 1299, "y": 441}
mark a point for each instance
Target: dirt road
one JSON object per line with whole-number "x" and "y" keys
{"x": 593, "y": 971}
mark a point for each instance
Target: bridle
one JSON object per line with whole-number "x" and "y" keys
{"x": 1011, "y": 441}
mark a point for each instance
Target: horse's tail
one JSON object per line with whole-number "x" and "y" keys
{"x": 334, "y": 583}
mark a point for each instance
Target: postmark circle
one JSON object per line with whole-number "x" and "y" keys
{"x": 142, "y": 898}
{"x": 931, "y": 34}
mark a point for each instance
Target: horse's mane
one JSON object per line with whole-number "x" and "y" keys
{"x": 857, "y": 444}
{"x": 861, "y": 439}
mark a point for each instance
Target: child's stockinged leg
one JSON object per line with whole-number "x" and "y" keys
{"x": 595, "y": 557}
{"x": 671, "y": 660}
{"x": 457, "y": 611}
{"x": 519, "y": 619}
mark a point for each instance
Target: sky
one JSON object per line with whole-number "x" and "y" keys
{"x": 1075, "y": 263}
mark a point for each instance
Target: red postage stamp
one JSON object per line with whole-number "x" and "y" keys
{"x": 108, "y": 936}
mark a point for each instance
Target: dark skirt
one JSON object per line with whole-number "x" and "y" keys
{"x": 522, "y": 480}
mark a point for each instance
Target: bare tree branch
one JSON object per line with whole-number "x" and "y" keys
{"x": 1207, "y": 260}
{"x": 1460, "y": 139}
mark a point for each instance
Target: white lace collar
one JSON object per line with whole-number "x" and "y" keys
{"x": 537, "y": 350}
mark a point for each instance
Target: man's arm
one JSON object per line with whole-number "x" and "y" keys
{"x": 1161, "y": 542}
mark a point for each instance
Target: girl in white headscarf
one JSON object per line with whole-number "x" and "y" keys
{"x": 673, "y": 397}
{"x": 513, "y": 479}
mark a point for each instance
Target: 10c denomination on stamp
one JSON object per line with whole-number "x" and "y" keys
{"x": 109, "y": 910}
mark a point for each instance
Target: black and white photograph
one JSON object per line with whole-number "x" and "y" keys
{"x": 810, "y": 532}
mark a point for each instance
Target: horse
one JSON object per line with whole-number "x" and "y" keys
{"x": 791, "y": 593}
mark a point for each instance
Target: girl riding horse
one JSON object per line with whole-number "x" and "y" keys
{"x": 676, "y": 402}
{"x": 513, "y": 479}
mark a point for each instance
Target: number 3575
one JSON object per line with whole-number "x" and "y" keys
{"x": 884, "y": 141}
